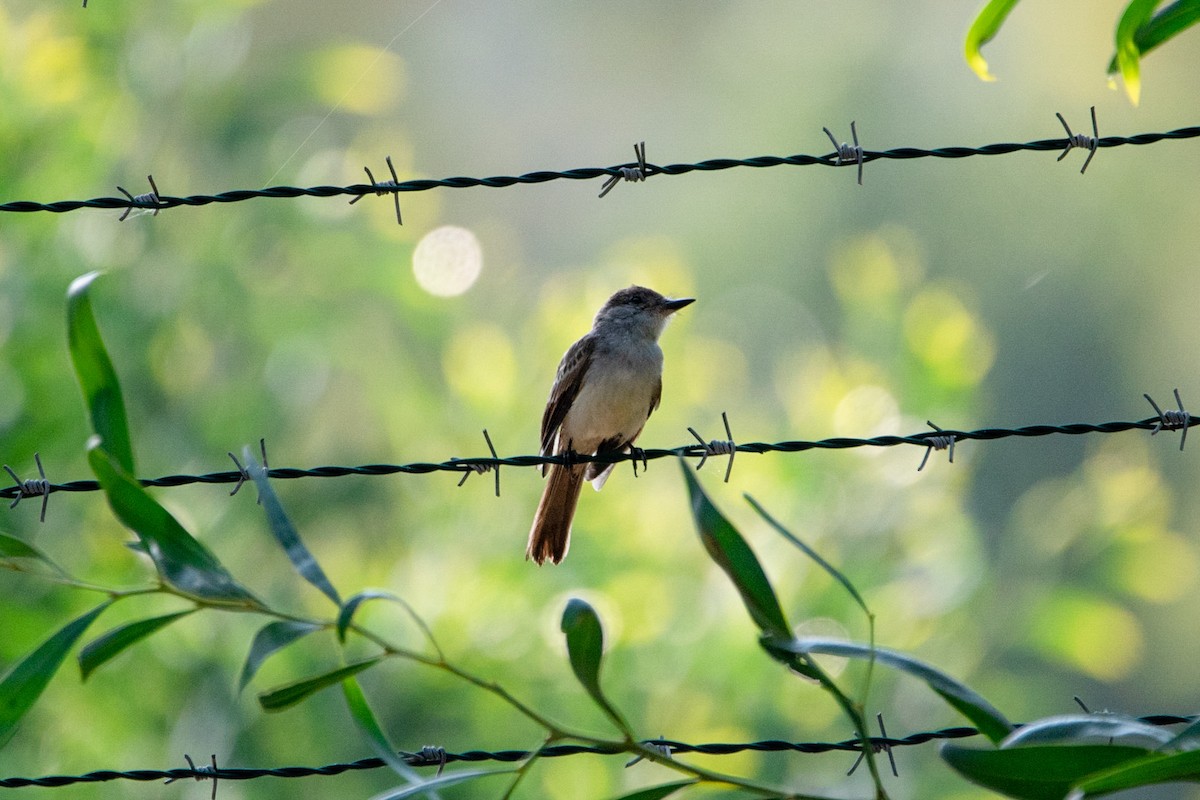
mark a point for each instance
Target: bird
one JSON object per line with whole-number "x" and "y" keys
{"x": 608, "y": 383}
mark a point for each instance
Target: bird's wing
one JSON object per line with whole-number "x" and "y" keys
{"x": 571, "y": 372}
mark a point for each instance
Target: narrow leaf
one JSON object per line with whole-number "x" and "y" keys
{"x": 1162, "y": 27}
{"x": 282, "y": 697}
{"x": 657, "y": 792}
{"x": 983, "y": 30}
{"x": 966, "y": 701}
{"x": 24, "y": 683}
{"x": 101, "y": 649}
{"x": 1041, "y": 772}
{"x": 346, "y": 614}
{"x": 1075, "y": 728}
{"x": 97, "y": 377}
{"x": 361, "y": 712}
{"x": 13, "y": 549}
{"x": 731, "y": 553}
{"x": 1136, "y": 14}
{"x": 183, "y": 563}
{"x": 1157, "y": 768}
{"x": 813, "y": 554}
{"x": 440, "y": 782}
{"x": 1186, "y": 739}
{"x": 285, "y": 533}
{"x": 271, "y": 638}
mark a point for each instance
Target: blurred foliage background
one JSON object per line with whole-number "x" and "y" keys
{"x": 973, "y": 293}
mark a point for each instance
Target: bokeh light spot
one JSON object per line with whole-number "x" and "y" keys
{"x": 480, "y": 366}
{"x": 447, "y": 261}
{"x": 359, "y": 78}
{"x": 943, "y": 334}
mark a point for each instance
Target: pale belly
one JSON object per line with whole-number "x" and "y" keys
{"x": 614, "y": 402}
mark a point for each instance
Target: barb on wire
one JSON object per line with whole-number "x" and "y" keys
{"x": 34, "y": 487}
{"x": 1081, "y": 140}
{"x": 717, "y": 448}
{"x": 243, "y": 475}
{"x": 633, "y": 174}
{"x": 660, "y": 747}
{"x": 474, "y": 467}
{"x": 589, "y": 173}
{"x": 382, "y": 188}
{"x": 940, "y": 442}
{"x": 431, "y": 757}
{"x": 877, "y": 745}
{"x": 201, "y": 773}
{"x": 848, "y": 154}
{"x": 1166, "y": 420}
{"x": 1171, "y": 420}
{"x": 144, "y": 202}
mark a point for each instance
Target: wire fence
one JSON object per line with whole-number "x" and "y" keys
{"x": 932, "y": 440}
{"x": 843, "y": 155}
{"x": 439, "y": 758}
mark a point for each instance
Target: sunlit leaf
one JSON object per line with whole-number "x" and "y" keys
{"x": 1041, "y": 772}
{"x": 271, "y": 638}
{"x": 97, "y": 377}
{"x": 813, "y": 554}
{"x": 1162, "y": 27}
{"x": 289, "y": 695}
{"x": 361, "y": 712}
{"x": 13, "y": 549}
{"x": 285, "y": 533}
{"x": 1075, "y": 728}
{"x": 731, "y": 553}
{"x": 105, "y": 647}
{"x": 24, "y": 682}
{"x": 657, "y": 792}
{"x": 183, "y": 563}
{"x": 1153, "y": 769}
{"x": 1137, "y": 13}
{"x": 982, "y": 714}
{"x": 983, "y": 30}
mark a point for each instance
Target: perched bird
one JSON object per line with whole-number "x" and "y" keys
{"x": 607, "y": 385}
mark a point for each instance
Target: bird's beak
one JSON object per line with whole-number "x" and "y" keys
{"x": 675, "y": 305}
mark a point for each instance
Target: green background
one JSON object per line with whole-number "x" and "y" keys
{"x": 991, "y": 291}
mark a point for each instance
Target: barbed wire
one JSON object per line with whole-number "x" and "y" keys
{"x": 438, "y": 757}
{"x": 936, "y": 439}
{"x": 844, "y": 155}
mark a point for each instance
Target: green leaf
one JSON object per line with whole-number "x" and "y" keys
{"x": 271, "y": 638}
{"x": 1186, "y": 739}
{"x": 285, "y": 533}
{"x": 1136, "y": 15}
{"x": 97, "y": 377}
{"x": 13, "y": 549}
{"x": 1040, "y": 772}
{"x": 980, "y": 712}
{"x": 808, "y": 551}
{"x": 346, "y": 614}
{"x": 983, "y": 30}
{"x": 1075, "y": 728}
{"x": 731, "y": 553}
{"x": 1157, "y": 768}
{"x": 282, "y": 697}
{"x": 24, "y": 683}
{"x": 369, "y": 725}
{"x": 182, "y": 562}
{"x": 1162, "y": 27}
{"x": 585, "y": 647}
{"x": 657, "y": 792}
{"x": 110, "y": 644}
{"x": 440, "y": 782}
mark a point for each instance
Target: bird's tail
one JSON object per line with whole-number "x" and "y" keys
{"x": 551, "y": 532}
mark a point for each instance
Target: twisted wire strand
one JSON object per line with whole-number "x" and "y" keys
{"x": 585, "y": 173}
{"x": 436, "y": 757}
{"x": 463, "y": 465}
